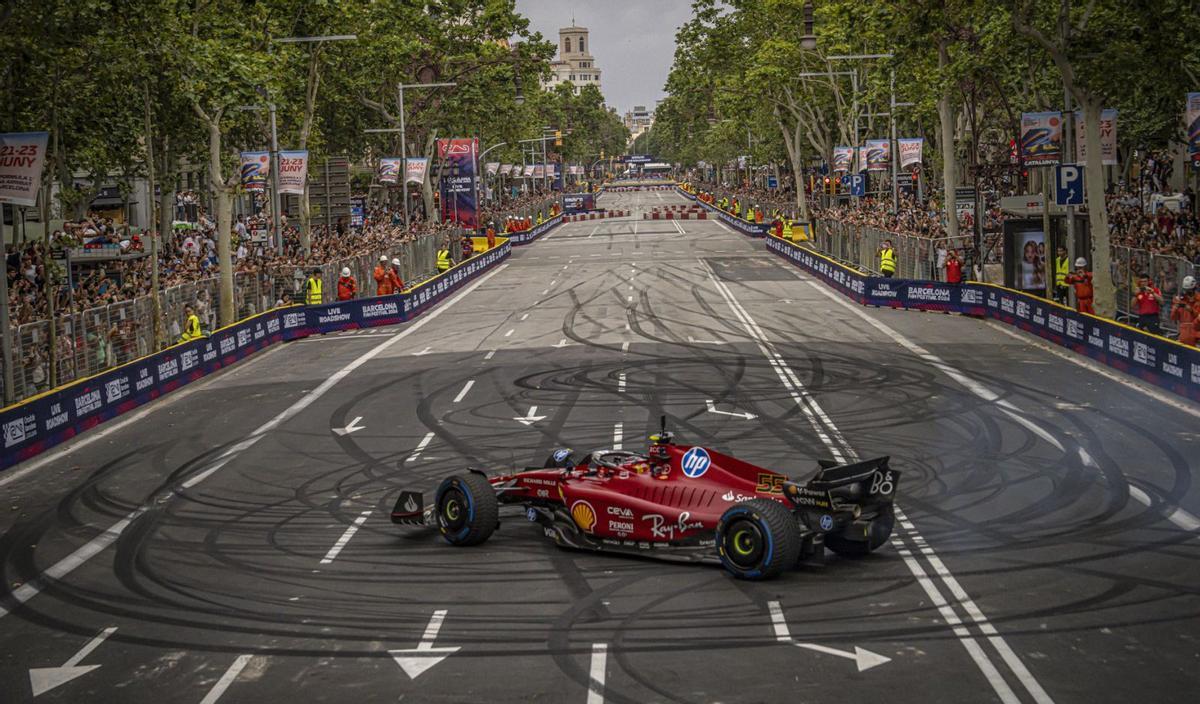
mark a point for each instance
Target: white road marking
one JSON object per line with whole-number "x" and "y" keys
{"x": 629, "y": 299}
{"x": 621, "y": 383}
{"x": 712, "y": 408}
{"x": 88, "y": 550}
{"x": 545, "y": 291}
{"x": 346, "y": 536}
{"x": 423, "y": 352}
{"x": 415, "y": 661}
{"x": 596, "y": 675}
{"x": 863, "y": 659}
{"x": 490, "y": 354}
{"x": 226, "y": 679}
{"x": 531, "y": 418}
{"x": 618, "y": 435}
{"x": 523, "y": 317}
{"x": 510, "y": 332}
{"x": 463, "y": 394}
{"x": 44, "y": 679}
{"x": 694, "y": 341}
{"x": 353, "y": 427}
{"x": 625, "y": 346}
{"x": 420, "y": 447}
{"x": 840, "y": 451}
{"x": 779, "y": 622}
{"x": 553, "y": 282}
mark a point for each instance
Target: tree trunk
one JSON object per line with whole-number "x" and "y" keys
{"x": 433, "y": 216}
{"x": 224, "y": 208}
{"x": 310, "y": 106}
{"x": 1102, "y": 279}
{"x": 945, "y": 108}
{"x": 792, "y": 140}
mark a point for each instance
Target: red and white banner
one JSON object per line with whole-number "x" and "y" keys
{"x": 529, "y": 168}
{"x": 1108, "y": 138}
{"x": 493, "y": 167}
{"x": 293, "y": 172}
{"x": 910, "y": 151}
{"x": 22, "y": 158}
{"x": 415, "y": 171}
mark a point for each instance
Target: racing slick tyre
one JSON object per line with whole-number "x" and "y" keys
{"x": 877, "y": 534}
{"x": 758, "y": 539}
{"x": 467, "y": 510}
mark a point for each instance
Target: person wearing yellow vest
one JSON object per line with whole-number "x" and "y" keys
{"x": 313, "y": 295}
{"x": 443, "y": 260}
{"x": 1062, "y": 269}
{"x": 887, "y": 259}
{"x": 191, "y": 326}
{"x": 787, "y": 229}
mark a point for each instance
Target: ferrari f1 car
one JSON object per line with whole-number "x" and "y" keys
{"x": 677, "y": 503}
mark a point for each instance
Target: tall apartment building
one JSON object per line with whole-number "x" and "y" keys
{"x": 575, "y": 63}
{"x": 638, "y": 120}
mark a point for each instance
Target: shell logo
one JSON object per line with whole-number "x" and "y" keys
{"x": 584, "y": 515}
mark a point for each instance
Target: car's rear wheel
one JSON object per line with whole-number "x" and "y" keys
{"x": 757, "y": 539}
{"x": 877, "y": 533}
{"x": 467, "y": 510}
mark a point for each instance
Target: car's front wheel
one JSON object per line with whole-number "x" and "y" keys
{"x": 758, "y": 539}
{"x": 467, "y": 510}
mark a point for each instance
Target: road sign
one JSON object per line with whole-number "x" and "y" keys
{"x": 857, "y": 183}
{"x": 772, "y": 182}
{"x": 1068, "y": 184}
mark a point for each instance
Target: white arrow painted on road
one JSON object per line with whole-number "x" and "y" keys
{"x": 423, "y": 352}
{"x": 712, "y": 408}
{"x": 415, "y": 661}
{"x": 353, "y": 427}
{"x": 561, "y": 343}
{"x": 694, "y": 341}
{"x": 864, "y": 659}
{"x": 44, "y": 679}
{"x": 531, "y": 418}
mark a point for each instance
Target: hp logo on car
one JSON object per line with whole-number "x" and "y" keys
{"x": 826, "y": 522}
{"x": 695, "y": 462}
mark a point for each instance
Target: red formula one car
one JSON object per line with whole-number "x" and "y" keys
{"x": 675, "y": 502}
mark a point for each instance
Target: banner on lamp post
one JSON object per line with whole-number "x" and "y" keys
{"x": 861, "y": 159}
{"x": 1041, "y": 138}
{"x": 414, "y": 171}
{"x": 493, "y": 168}
{"x": 256, "y": 168}
{"x": 879, "y": 154}
{"x": 1192, "y": 118}
{"x": 389, "y": 169}
{"x": 842, "y": 158}
{"x": 22, "y": 158}
{"x": 1108, "y": 138}
{"x": 910, "y": 151}
{"x": 293, "y": 172}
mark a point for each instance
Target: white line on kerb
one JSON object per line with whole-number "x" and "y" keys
{"x": 841, "y": 450}
{"x": 88, "y": 550}
{"x": 346, "y": 536}
{"x": 463, "y": 394}
{"x": 226, "y": 679}
{"x": 596, "y": 674}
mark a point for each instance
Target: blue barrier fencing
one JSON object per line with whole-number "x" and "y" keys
{"x": 1154, "y": 359}
{"x": 36, "y": 425}
{"x": 522, "y": 238}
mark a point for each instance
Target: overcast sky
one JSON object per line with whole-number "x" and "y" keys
{"x": 633, "y": 41}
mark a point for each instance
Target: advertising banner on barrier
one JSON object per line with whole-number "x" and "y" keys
{"x": 293, "y": 171}
{"x": 1154, "y": 359}
{"x": 389, "y": 169}
{"x": 34, "y": 426}
{"x": 1041, "y": 138}
{"x": 579, "y": 202}
{"x": 746, "y": 228}
{"x": 1108, "y": 138}
{"x": 879, "y": 155}
{"x": 910, "y": 151}
{"x": 842, "y": 158}
{"x": 256, "y": 167}
{"x": 22, "y": 158}
{"x": 527, "y": 236}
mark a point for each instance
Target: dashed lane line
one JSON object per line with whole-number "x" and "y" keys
{"x": 466, "y": 388}
{"x": 420, "y": 447}
{"x": 596, "y": 675}
{"x": 90, "y": 549}
{"x": 227, "y": 679}
{"x": 346, "y": 536}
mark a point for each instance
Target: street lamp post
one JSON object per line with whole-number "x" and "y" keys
{"x": 404, "y": 139}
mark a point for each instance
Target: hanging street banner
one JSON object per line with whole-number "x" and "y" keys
{"x": 1041, "y": 138}
{"x": 293, "y": 172}
{"x": 528, "y": 170}
{"x": 842, "y": 156}
{"x": 861, "y": 153}
{"x": 879, "y": 154}
{"x": 389, "y": 169}
{"x": 1192, "y": 121}
{"x": 256, "y": 167}
{"x": 458, "y": 183}
{"x": 415, "y": 171}
{"x": 22, "y": 158}
{"x": 910, "y": 151}
{"x": 493, "y": 168}
{"x": 1108, "y": 138}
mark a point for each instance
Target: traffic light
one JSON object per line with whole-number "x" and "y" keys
{"x": 558, "y": 138}
{"x": 601, "y": 153}
{"x": 828, "y": 185}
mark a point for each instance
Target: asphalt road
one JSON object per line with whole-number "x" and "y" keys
{"x": 230, "y": 546}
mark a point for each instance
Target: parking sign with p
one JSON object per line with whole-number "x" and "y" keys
{"x": 1068, "y": 182}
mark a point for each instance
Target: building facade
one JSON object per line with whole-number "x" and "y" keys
{"x": 638, "y": 120}
{"x": 575, "y": 63}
